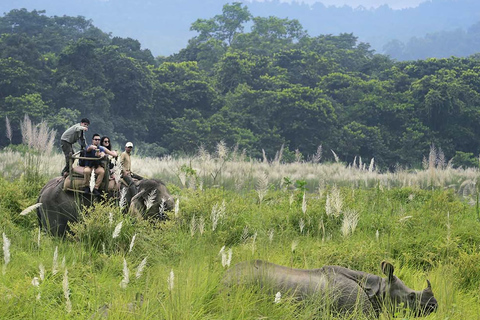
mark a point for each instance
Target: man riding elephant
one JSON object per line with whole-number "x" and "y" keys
{"x": 95, "y": 150}
{"x": 69, "y": 137}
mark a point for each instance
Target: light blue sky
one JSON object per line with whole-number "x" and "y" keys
{"x": 395, "y": 4}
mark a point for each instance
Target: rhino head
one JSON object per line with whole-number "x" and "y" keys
{"x": 420, "y": 303}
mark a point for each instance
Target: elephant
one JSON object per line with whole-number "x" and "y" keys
{"x": 59, "y": 206}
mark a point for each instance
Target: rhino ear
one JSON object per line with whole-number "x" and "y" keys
{"x": 387, "y": 269}
{"x": 429, "y": 286}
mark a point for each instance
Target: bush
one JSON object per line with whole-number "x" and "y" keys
{"x": 465, "y": 159}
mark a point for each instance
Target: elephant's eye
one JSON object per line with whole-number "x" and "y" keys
{"x": 412, "y": 296}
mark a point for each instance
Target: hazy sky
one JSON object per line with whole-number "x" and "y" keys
{"x": 395, "y": 4}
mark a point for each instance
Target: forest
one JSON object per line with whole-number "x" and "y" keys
{"x": 273, "y": 87}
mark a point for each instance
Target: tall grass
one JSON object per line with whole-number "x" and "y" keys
{"x": 309, "y": 214}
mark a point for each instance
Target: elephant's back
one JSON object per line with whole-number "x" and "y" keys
{"x": 51, "y": 188}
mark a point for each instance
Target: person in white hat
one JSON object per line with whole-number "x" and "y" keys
{"x": 126, "y": 162}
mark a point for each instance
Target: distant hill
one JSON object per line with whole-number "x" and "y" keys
{"x": 164, "y": 26}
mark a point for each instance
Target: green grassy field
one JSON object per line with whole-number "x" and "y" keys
{"x": 303, "y": 215}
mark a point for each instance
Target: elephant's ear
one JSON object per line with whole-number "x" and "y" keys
{"x": 387, "y": 269}
{"x": 138, "y": 195}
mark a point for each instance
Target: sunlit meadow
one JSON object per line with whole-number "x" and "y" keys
{"x": 230, "y": 208}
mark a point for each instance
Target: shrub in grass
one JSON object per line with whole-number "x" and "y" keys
{"x": 13, "y": 201}
{"x": 104, "y": 227}
{"x": 467, "y": 270}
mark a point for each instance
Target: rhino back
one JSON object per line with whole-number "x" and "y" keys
{"x": 342, "y": 293}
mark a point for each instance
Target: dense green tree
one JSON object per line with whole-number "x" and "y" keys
{"x": 224, "y": 27}
{"x": 132, "y": 48}
{"x": 270, "y": 35}
{"x": 257, "y": 88}
{"x": 238, "y": 67}
{"x": 188, "y": 132}
{"x": 305, "y": 68}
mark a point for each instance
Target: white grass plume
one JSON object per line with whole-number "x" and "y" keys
{"x": 270, "y": 235}
{"x": 55, "y": 261}
{"x": 66, "y": 292}
{"x": 244, "y": 235}
{"x": 294, "y": 245}
{"x": 334, "y": 203}
{"x": 318, "y": 155}
{"x": 41, "y": 271}
{"x": 126, "y": 275}
{"x": 403, "y": 219}
{"x": 349, "y": 223}
{"x": 304, "y": 204}
{"x": 337, "y": 160}
{"x": 301, "y": 224}
{"x": 193, "y": 226}
{"x": 229, "y": 257}
{"x": 117, "y": 169}
{"x": 151, "y": 199}
{"x": 123, "y": 198}
{"x": 35, "y": 282}
{"x": 278, "y": 155}
{"x": 218, "y": 212}
{"x": 201, "y": 225}
{"x": 9, "y": 129}
{"x": 6, "y": 252}
{"x": 254, "y": 238}
{"x": 171, "y": 280}
{"x": 265, "y": 160}
{"x": 226, "y": 256}
{"x": 110, "y": 218}
{"x": 182, "y": 176}
{"x": 30, "y": 209}
{"x": 371, "y": 167}
{"x": 298, "y": 156}
{"x": 262, "y": 186}
{"x": 278, "y": 297}
{"x": 222, "y": 150}
{"x": 140, "y": 268}
{"x": 92, "y": 181}
{"x": 27, "y": 131}
{"x": 161, "y": 208}
{"x": 328, "y": 206}
{"x": 117, "y": 230}
{"x": 39, "y": 237}
{"x": 176, "y": 209}
{"x": 132, "y": 243}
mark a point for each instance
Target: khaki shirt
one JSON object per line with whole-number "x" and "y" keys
{"x": 126, "y": 162}
{"x": 72, "y": 134}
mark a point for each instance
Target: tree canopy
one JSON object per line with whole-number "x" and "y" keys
{"x": 256, "y": 82}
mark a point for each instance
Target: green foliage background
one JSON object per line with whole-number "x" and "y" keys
{"x": 261, "y": 88}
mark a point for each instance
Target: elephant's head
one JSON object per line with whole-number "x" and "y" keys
{"x": 151, "y": 200}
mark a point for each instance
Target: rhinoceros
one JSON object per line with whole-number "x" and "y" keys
{"x": 344, "y": 290}
{"x": 60, "y": 207}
